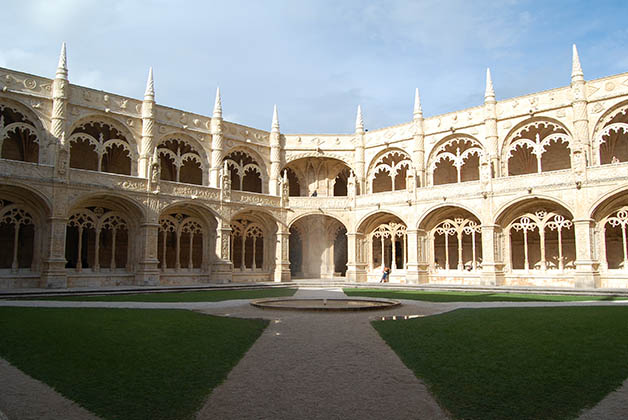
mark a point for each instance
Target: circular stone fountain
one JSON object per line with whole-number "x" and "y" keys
{"x": 325, "y": 304}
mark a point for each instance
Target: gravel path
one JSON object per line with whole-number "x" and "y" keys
{"x": 320, "y": 366}
{"x": 305, "y": 365}
{"x": 614, "y": 406}
{"x": 25, "y": 398}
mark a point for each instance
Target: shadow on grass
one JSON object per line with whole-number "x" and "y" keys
{"x": 198, "y": 296}
{"x": 127, "y": 363}
{"x": 515, "y": 363}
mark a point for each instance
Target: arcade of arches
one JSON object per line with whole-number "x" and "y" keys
{"x": 97, "y": 189}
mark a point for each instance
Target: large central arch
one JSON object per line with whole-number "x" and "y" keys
{"x": 318, "y": 247}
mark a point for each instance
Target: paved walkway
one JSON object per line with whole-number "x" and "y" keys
{"x": 305, "y": 365}
{"x": 320, "y": 366}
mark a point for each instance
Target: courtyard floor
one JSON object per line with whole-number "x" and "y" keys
{"x": 310, "y": 365}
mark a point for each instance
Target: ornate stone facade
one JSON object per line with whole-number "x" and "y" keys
{"x": 98, "y": 189}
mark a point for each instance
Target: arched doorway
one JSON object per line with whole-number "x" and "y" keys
{"x": 318, "y": 247}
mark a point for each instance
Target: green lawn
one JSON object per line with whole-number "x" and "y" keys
{"x": 515, "y": 363}
{"x": 200, "y": 296}
{"x": 127, "y": 363}
{"x": 445, "y": 296}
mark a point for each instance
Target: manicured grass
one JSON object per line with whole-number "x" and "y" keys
{"x": 127, "y": 363}
{"x": 515, "y": 363}
{"x": 200, "y": 296}
{"x": 445, "y": 296}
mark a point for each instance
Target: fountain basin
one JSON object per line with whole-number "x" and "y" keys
{"x": 325, "y": 304}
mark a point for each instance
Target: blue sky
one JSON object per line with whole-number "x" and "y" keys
{"x": 317, "y": 60}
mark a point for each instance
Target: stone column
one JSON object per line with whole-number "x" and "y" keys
{"x": 581, "y": 149}
{"x": 275, "y": 155}
{"x": 147, "y": 273}
{"x": 412, "y": 268}
{"x": 217, "y": 143}
{"x": 222, "y": 268}
{"x": 492, "y": 274}
{"x": 53, "y": 273}
{"x": 586, "y": 275}
{"x": 282, "y": 259}
{"x": 356, "y": 267}
{"x": 418, "y": 154}
{"x": 60, "y": 149}
{"x": 148, "y": 127}
{"x": 423, "y": 255}
{"x": 359, "y": 152}
{"x": 490, "y": 125}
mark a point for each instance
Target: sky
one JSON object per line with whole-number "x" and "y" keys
{"x": 317, "y": 60}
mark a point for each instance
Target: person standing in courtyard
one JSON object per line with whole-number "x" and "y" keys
{"x": 385, "y": 275}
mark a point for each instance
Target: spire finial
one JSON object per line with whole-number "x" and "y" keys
{"x": 149, "y": 94}
{"x": 275, "y": 125}
{"x": 62, "y": 67}
{"x": 576, "y": 68}
{"x": 490, "y": 91}
{"x": 418, "y": 111}
{"x": 218, "y": 104}
{"x": 359, "y": 121}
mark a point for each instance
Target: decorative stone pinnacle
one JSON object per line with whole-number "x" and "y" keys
{"x": 218, "y": 104}
{"x": 490, "y": 91}
{"x": 418, "y": 111}
{"x": 576, "y": 68}
{"x": 359, "y": 121}
{"x": 275, "y": 125}
{"x": 62, "y": 67}
{"x": 149, "y": 94}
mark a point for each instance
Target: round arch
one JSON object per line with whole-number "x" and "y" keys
{"x": 22, "y": 108}
{"x": 318, "y": 246}
{"x": 441, "y": 210}
{"x": 537, "y": 147}
{"x": 367, "y": 218}
{"x": 300, "y": 216}
{"x": 23, "y": 193}
{"x": 180, "y": 135}
{"x": 455, "y": 158}
{"x": 450, "y": 237}
{"x": 28, "y": 139}
{"x": 115, "y": 200}
{"x": 203, "y": 212}
{"x": 536, "y": 234}
{"x": 23, "y": 219}
{"x": 186, "y": 240}
{"x": 613, "y": 123}
{"x": 386, "y": 167}
{"x": 110, "y": 120}
{"x": 317, "y": 173}
{"x": 533, "y": 200}
{"x": 607, "y": 202}
{"x": 261, "y": 162}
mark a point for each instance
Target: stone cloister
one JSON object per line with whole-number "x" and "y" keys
{"x": 97, "y": 189}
